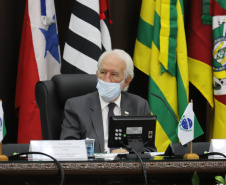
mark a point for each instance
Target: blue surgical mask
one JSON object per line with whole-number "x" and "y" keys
{"x": 108, "y": 91}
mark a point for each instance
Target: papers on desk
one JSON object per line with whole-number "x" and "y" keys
{"x": 218, "y": 146}
{"x": 153, "y": 154}
{"x": 111, "y": 156}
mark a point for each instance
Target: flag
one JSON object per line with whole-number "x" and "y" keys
{"x": 161, "y": 53}
{"x": 219, "y": 68}
{"x": 206, "y": 11}
{"x": 188, "y": 128}
{"x": 88, "y": 36}
{"x": 39, "y": 60}
{"x": 2, "y": 123}
{"x": 200, "y": 46}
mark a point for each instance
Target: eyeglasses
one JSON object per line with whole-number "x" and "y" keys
{"x": 114, "y": 75}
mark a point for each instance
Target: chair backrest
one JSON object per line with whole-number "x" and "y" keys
{"x": 51, "y": 97}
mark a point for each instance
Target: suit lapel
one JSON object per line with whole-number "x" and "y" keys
{"x": 96, "y": 115}
{"x": 126, "y": 109}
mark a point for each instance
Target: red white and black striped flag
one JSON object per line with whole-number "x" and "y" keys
{"x": 88, "y": 36}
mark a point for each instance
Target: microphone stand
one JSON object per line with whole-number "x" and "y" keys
{"x": 166, "y": 106}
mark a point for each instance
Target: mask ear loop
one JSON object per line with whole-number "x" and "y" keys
{"x": 124, "y": 80}
{"x": 122, "y": 83}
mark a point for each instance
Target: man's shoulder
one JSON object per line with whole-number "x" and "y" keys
{"x": 84, "y": 97}
{"x": 138, "y": 104}
{"x": 131, "y": 96}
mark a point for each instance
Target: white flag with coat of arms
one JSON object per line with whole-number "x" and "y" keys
{"x": 2, "y": 123}
{"x": 188, "y": 128}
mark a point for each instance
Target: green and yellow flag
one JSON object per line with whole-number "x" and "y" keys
{"x": 161, "y": 53}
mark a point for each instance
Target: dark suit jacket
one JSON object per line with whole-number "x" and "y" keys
{"x": 83, "y": 116}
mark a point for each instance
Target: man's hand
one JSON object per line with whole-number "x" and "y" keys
{"x": 119, "y": 150}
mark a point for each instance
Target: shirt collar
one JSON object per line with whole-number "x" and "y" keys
{"x": 104, "y": 104}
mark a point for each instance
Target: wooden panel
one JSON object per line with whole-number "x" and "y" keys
{"x": 125, "y": 16}
{"x": 112, "y": 172}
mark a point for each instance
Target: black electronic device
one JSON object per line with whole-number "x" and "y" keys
{"x": 136, "y": 132}
{"x": 177, "y": 149}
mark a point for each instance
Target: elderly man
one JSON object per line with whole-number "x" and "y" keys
{"x": 87, "y": 116}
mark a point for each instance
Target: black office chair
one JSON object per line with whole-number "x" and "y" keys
{"x": 51, "y": 97}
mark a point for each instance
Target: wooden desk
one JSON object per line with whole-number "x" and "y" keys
{"x": 112, "y": 172}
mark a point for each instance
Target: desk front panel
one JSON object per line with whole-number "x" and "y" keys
{"x": 111, "y": 172}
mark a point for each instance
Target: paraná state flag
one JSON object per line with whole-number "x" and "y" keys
{"x": 161, "y": 53}
{"x": 39, "y": 60}
{"x": 188, "y": 128}
{"x": 2, "y": 123}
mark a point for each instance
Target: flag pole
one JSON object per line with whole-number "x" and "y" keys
{"x": 2, "y": 157}
{"x": 191, "y": 155}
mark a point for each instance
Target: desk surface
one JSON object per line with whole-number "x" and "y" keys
{"x": 121, "y": 166}
{"x": 164, "y": 171}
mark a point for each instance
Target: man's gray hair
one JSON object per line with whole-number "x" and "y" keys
{"x": 122, "y": 55}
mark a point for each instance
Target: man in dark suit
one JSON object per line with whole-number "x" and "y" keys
{"x": 87, "y": 116}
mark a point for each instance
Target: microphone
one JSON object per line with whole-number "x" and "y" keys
{"x": 166, "y": 106}
{"x": 169, "y": 151}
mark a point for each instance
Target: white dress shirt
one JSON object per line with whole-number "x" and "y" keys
{"x": 105, "y": 109}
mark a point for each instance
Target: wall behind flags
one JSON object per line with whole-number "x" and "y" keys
{"x": 125, "y": 16}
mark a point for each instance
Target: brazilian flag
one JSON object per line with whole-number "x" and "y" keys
{"x": 161, "y": 53}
